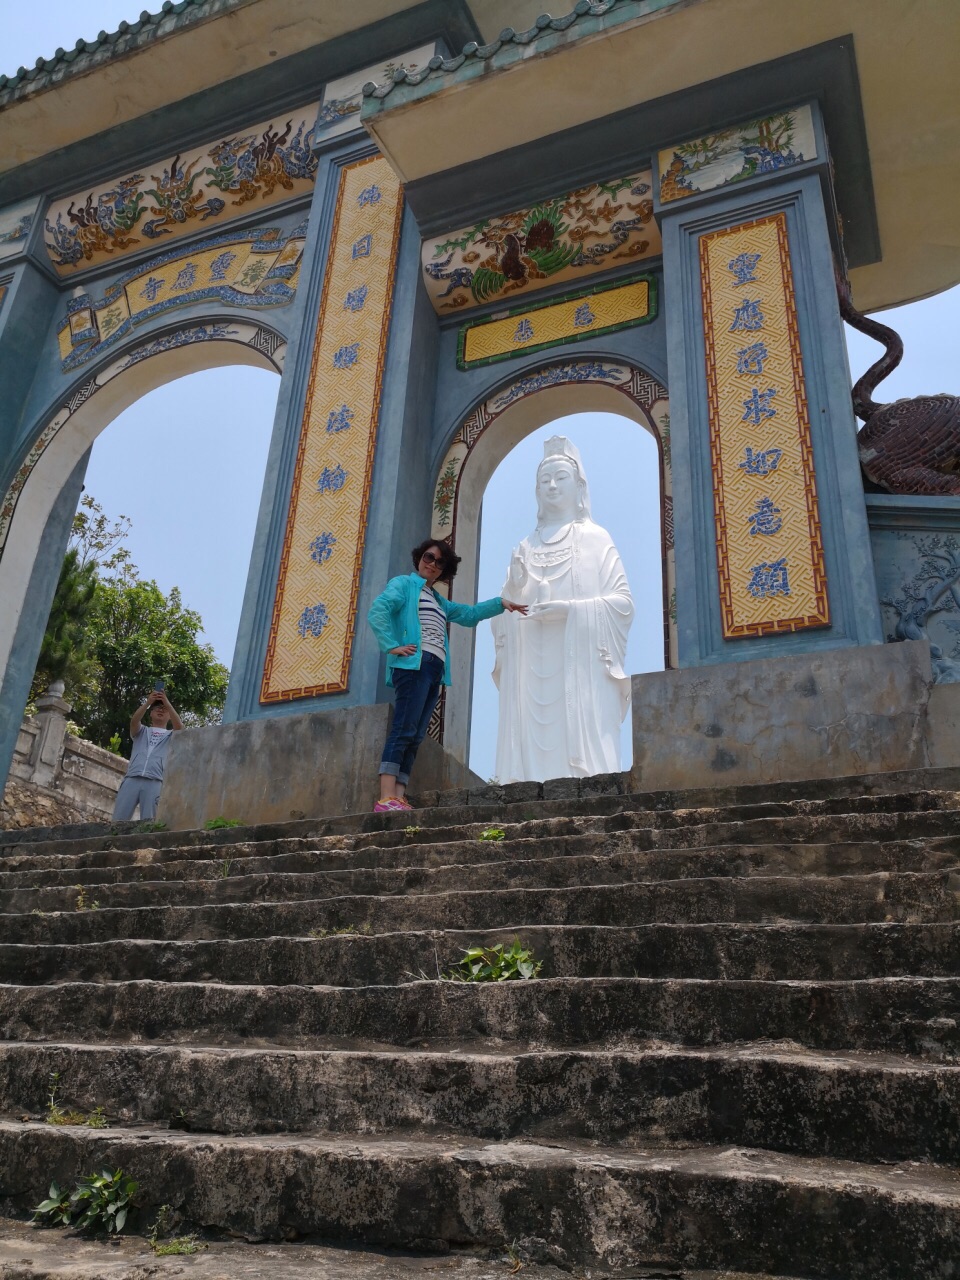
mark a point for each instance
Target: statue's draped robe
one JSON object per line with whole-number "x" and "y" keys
{"x": 563, "y": 689}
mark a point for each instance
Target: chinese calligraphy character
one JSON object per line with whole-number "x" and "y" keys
{"x": 760, "y": 464}
{"x": 339, "y": 419}
{"x": 186, "y": 277}
{"x": 361, "y": 248}
{"x": 332, "y": 480}
{"x": 313, "y": 619}
{"x": 151, "y": 289}
{"x": 769, "y": 579}
{"x": 747, "y": 316}
{"x": 523, "y": 331}
{"x": 583, "y": 316}
{"x": 369, "y": 195}
{"x": 321, "y": 548}
{"x": 346, "y": 357}
{"x": 355, "y": 299}
{"x": 750, "y": 359}
{"x": 757, "y": 406}
{"x": 743, "y": 267}
{"x": 220, "y": 265}
{"x": 766, "y": 518}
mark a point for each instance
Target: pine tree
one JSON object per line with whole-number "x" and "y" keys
{"x": 65, "y": 649}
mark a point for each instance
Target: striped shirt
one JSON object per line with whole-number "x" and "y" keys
{"x": 433, "y": 624}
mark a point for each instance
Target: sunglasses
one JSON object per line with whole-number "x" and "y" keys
{"x": 429, "y": 558}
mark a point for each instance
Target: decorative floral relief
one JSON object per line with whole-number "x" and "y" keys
{"x": 931, "y": 595}
{"x": 271, "y": 162}
{"x": 587, "y": 230}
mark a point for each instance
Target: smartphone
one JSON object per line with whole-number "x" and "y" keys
{"x": 158, "y": 686}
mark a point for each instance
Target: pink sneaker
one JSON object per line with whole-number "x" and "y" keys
{"x": 389, "y": 806}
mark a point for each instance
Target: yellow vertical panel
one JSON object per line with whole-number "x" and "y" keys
{"x": 768, "y": 537}
{"x": 314, "y": 616}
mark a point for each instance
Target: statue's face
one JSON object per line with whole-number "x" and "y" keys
{"x": 558, "y": 489}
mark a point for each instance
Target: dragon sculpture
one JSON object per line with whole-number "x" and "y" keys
{"x": 908, "y": 446}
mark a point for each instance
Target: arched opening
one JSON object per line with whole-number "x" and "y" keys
{"x": 60, "y": 444}
{"x": 621, "y": 463}
{"x": 478, "y": 445}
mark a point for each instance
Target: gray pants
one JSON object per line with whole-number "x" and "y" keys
{"x": 134, "y": 791}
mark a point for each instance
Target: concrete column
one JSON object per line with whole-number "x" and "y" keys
{"x": 52, "y": 712}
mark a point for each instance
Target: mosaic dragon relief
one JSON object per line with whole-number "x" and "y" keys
{"x": 566, "y": 238}
{"x": 249, "y": 269}
{"x": 271, "y": 162}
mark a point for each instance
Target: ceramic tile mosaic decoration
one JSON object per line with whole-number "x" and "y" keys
{"x": 260, "y": 166}
{"x": 243, "y": 269}
{"x": 769, "y": 547}
{"x": 16, "y": 223}
{"x": 313, "y": 625}
{"x": 572, "y": 236}
{"x": 342, "y": 99}
{"x": 733, "y": 155}
{"x": 584, "y": 314}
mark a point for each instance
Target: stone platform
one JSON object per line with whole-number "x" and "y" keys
{"x": 741, "y": 1056}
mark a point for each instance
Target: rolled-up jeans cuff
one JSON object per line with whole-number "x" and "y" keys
{"x": 389, "y": 766}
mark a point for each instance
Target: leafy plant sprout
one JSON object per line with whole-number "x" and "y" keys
{"x": 57, "y": 1115}
{"x": 492, "y": 833}
{"x": 223, "y": 868}
{"x": 100, "y": 1201}
{"x": 82, "y": 903}
{"x": 494, "y": 964}
{"x": 221, "y": 823}
{"x": 178, "y": 1245}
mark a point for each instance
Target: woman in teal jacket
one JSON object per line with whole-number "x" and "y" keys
{"x": 409, "y": 619}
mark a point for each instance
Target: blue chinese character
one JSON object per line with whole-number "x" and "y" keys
{"x": 355, "y": 299}
{"x": 220, "y": 265}
{"x": 757, "y": 405}
{"x": 523, "y": 331}
{"x": 321, "y": 548}
{"x": 743, "y": 267}
{"x": 750, "y": 359}
{"x": 583, "y": 317}
{"x": 362, "y": 247}
{"x": 186, "y": 277}
{"x": 151, "y": 289}
{"x": 760, "y": 464}
{"x": 766, "y": 518}
{"x": 346, "y": 357}
{"x": 369, "y": 195}
{"x": 769, "y": 579}
{"x": 313, "y": 619}
{"x": 747, "y": 316}
{"x": 331, "y": 481}
{"x": 339, "y": 419}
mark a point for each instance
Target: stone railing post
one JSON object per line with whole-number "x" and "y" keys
{"x": 52, "y": 712}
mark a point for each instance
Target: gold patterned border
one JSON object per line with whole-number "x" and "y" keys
{"x": 311, "y": 633}
{"x": 768, "y": 536}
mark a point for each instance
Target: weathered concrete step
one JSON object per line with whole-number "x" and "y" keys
{"x": 29, "y": 1253}
{"x": 916, "y": 1016}
{"x": 588, "y": 1205}
{"x": 238, "y": 912}
{"x": 554, "y": 860}
{"x": 805, "y": 952}
{"x": 844, "y": 1106}
{"x": 607, "y": 813}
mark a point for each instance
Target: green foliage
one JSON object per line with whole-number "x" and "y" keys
{"x": 347, "y": 930}
{"x": 137, "y": 636}
{"x": 65, "y": 649}
{"x": 57, "y": 1115}
{"x": 154, "y": 826}
{"x": 115, "y": 744}
{"x": 492, "y": 833}
{"x": 83, "y": 903}
{"x": 100, "y": 1202}
{"x": 169, "y": 1248}
{"x": 493, "y": 964}
{"x": 223, "y": 868}
{"x": 56, "y": 1210}
{"x": 221, "y": 823}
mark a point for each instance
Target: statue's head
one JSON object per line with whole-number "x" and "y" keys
{"x": 562, "y": 492}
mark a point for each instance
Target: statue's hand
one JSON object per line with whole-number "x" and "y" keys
{"x": 550, "y": 610}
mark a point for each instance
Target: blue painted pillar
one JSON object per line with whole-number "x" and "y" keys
{"x": 772, "y": 541}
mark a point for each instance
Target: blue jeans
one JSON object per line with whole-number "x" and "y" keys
{"x": 416, "y": 696}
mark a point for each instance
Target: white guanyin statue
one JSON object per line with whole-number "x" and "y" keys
{"x": 563, "y": 689}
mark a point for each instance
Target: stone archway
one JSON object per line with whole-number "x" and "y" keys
{"x": 70, "y": 429}
{"x": 481, "y": 442}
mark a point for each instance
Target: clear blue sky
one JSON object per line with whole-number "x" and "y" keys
{"x": 206, "y": 436}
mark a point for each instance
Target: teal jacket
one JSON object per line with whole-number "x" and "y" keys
{"x": 395, "y": 618}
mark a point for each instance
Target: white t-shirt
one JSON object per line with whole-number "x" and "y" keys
{"x": 433, "y": 625}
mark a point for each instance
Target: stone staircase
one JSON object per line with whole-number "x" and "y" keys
{"x": 742, "y": 1053}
